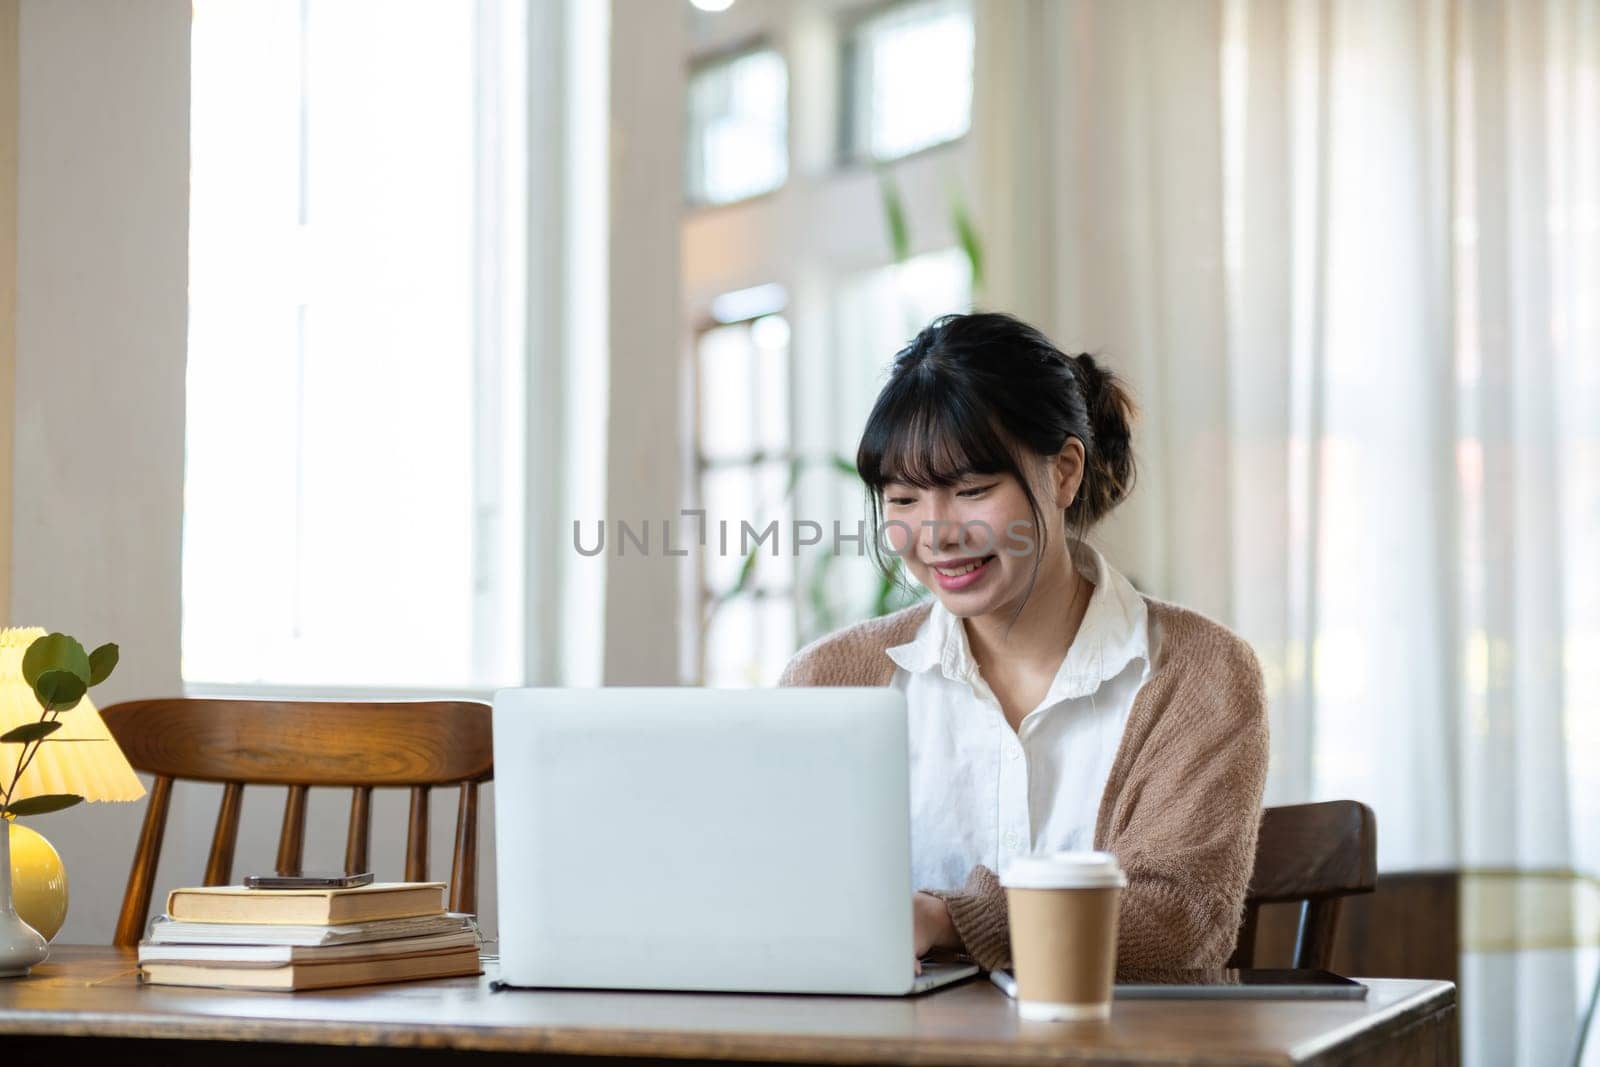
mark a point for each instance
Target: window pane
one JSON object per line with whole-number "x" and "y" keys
{"x": 728, "y": 494}
{"x": 344, "y": 468}
{"x": 727, "y": 374}
{"x": 774, "y": 572}
{"x": 748, "y": 642}
{"x": 738, "y": 128}
{"x": 743, "y": 380}
{"x": 769, "y": 338}
{"x": 776, "y": 640}
{"x": 910, "y": 79}
{"x": 733, "y": 496}
{"x": 731, "y": 645}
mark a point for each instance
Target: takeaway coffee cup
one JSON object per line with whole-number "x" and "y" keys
{"x": 1063, "y": 918}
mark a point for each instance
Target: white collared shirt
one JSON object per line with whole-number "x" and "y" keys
{"x": 983, "y": 793}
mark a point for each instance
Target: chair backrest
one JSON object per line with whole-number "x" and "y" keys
{"x": 414, "y": 745}
{"x": 1313, "y": 854}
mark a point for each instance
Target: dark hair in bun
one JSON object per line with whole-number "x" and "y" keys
{"x": 1108, "y": 451}
{"x": 974, "y": 394}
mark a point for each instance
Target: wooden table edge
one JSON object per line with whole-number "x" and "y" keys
{"x": 1437, "y": 997}
{"x": 1429, "y": 999}
{"x": 688, "y": 1045}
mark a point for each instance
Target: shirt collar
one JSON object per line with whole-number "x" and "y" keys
{"x": 1114, "y": 633}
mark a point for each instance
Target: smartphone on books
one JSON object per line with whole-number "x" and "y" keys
{"x": 307, "y": 881}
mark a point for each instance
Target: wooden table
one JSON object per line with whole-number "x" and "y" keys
{"x": 84, "y": 1006}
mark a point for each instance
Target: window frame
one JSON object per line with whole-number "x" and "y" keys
{"x": 724, "y": 55}
{"x": 705, "y": 597}
{"x": 850, "y": 148}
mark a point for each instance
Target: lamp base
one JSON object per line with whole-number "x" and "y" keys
{"x": 21, "y": 946}
{"x": 38, "y": 881}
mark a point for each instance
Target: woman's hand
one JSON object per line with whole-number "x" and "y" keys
{"x": 931, "y": 926}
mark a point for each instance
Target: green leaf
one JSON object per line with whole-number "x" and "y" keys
{"x": 796, "y": 468}
{"x": 895, "y": 592}
{"x": 60, "y": 690}
{"x": 54, "y": 652}
{"x": 746, "y": 571}
{"x": 967, "y": 234}
{"x": 894, "y": 214}
{"x": 102, "y": 661}
{"x": 29, "y": 731}
{"x": 43, "y": 804}
{"x": 844, "y": 466}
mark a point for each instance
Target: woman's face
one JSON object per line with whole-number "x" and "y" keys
{"x": 972, "y": 543}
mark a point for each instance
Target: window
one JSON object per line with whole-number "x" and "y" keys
{"x": 744, "y": 472}
{"x": 760, "y": 600}
{"x": 875, "y": 314}
{"x": 353, "y": 472}
{"x": 908, "y": 79}
{"x": 804, "y": 306}
{"x": 737, "y": 128}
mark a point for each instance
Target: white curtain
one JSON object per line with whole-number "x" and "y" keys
{"x": 1348, "y": 254}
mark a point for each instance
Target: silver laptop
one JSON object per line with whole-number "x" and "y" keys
{"x": 738, "y": 840}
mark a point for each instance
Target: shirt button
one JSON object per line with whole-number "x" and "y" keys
{"x": 1011, "y": 839}
{"x": 1013, "y": 750}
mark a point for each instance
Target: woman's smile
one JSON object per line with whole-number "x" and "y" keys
{"x": 961, "y": 573}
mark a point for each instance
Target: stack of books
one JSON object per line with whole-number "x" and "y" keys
{"x": 284, "y": 939}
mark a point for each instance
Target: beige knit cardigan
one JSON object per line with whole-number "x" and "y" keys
{"x": 1181, "y": 807}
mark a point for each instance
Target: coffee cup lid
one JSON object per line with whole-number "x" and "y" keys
{"x": 1064, "y": 870}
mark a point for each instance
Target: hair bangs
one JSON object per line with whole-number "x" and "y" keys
{"x": 923, "y": 433}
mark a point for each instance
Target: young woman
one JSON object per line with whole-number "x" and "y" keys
{"x": 1051, "y": 706}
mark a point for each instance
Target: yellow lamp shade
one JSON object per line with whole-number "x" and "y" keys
{"x": 91, "y": 765}
{"x": 38, "y": 881}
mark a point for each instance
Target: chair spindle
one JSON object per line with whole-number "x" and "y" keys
{"x": 356, "y": 858}
{"x": 219, "y": 864}
{"x": 292, "y": 841}
{"x": 464, "y": 867}
{"x": 417, "y": 836}
{"x": 1313, "y": 943}
{"x": 142, "y": 877}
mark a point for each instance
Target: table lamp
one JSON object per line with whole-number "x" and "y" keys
{"x": 86, "y": 760}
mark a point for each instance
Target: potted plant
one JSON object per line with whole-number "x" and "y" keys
{"x": 59, "y": 672}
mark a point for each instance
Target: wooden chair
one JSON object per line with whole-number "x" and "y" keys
{"x": 359, "y": 746}
{"x": 1314, "y": 855}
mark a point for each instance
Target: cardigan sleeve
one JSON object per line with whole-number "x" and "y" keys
{"x": 795, "y": 672}
{"x": 816, "y": 663}
{"x": 978, "y": 912}
{"x": 855, "y": 655}
{"x": 1184, "y": 826}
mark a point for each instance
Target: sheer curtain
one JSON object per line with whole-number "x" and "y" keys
{"x": 1349, "y": 255}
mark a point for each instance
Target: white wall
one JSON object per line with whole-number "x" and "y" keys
{"x": 102, "y": 272}
{"x": 8, "y": 281}
{"x": 646, "y": 197}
